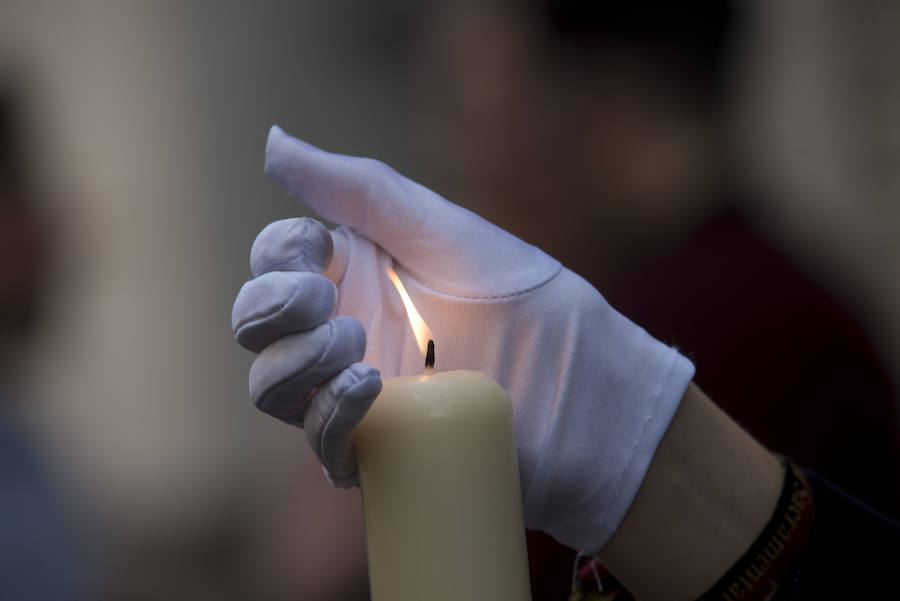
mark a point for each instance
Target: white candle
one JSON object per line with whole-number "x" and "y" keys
{"x": 440, "y": 486}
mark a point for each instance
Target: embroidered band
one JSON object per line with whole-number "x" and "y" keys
{"x": 757, "y": 574}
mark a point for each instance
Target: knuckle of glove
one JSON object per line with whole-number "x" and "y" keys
{"x": 297, "y": 244}
{"x": 279, "y": 303}
{"x": 286, "y": 372}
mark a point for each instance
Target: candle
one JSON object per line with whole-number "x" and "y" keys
{"x": 440, "y": 487}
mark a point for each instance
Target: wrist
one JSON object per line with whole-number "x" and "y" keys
{"x": 760, "y": 570}
{"x": 709, "y": 492}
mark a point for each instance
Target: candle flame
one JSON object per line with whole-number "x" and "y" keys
{"x": 420, "y": 329}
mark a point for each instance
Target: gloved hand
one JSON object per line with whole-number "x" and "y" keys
{"x": 592, "y": 393}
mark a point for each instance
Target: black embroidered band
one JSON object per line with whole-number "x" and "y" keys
{"x": 758, "y": 572}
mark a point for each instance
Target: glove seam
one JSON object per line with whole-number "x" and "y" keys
{"x": 492, "y": 298}
{"x": 266, "y": 314}
{"x": 270, "y": 267}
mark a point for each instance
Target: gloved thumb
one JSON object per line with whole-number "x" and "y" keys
{"x": 441, "y": 244}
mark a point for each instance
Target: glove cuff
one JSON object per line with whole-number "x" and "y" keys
{"x": 597, "y": 451}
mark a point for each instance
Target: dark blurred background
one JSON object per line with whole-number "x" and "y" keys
{"x": 727, "y": 176}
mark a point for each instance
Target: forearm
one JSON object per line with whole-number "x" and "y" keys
{"x": 709, "y": 492}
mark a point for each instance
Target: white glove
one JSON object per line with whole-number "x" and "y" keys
{"x": 592, "y": 393}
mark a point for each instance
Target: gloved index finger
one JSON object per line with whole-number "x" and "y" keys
{"x": 443, "y": 245}
{"x": 296, "y": 244}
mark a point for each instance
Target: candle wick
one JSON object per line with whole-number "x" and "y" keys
{"x": 429, "y": 358}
